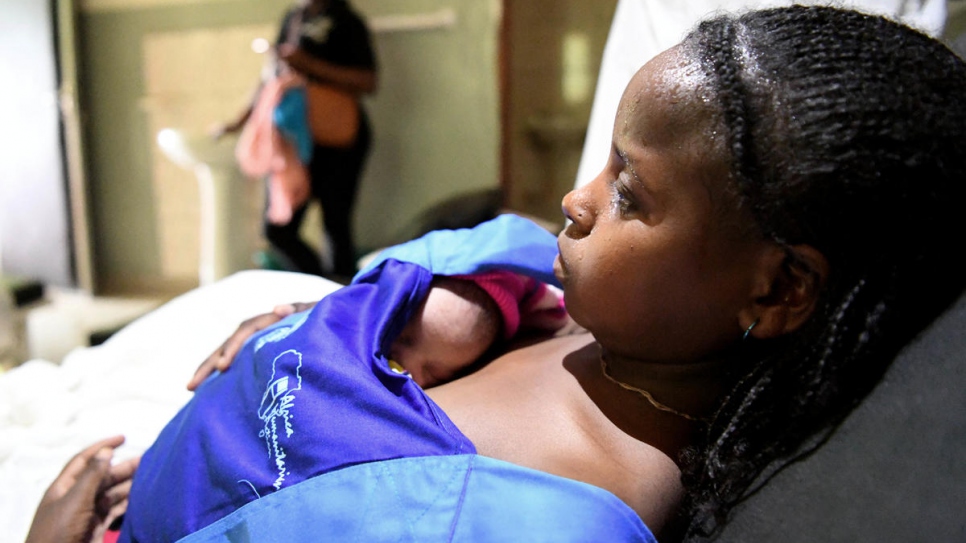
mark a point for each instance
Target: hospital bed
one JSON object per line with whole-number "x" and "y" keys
{"x": 132, "y": 384}
{"x": 892, "y": 472}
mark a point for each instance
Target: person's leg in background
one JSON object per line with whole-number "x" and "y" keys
{"x": 335, "y": 181}
{"x": 285, "y": 239}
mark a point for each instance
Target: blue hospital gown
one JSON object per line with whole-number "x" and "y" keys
{"x": 310, "y": 436}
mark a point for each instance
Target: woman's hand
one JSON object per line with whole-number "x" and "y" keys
{"x": 85, "y": 498}
{"x": 224, "y": 355}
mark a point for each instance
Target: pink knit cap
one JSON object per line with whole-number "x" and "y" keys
{"x": 521, "y": 299}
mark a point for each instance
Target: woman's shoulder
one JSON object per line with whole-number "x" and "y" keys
{"x": 534, "y": 407}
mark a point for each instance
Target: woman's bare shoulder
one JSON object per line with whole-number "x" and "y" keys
{"x": 534, "y": 408}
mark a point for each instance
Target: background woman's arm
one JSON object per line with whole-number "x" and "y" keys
{"x": 358, "y": 81}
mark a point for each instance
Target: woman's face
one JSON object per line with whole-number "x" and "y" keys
{"x": 655, "y": 264}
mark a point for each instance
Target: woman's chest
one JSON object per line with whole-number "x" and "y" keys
{"x": 535, "y": 413}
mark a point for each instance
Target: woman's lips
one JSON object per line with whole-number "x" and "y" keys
{"x": 559, "y": 267}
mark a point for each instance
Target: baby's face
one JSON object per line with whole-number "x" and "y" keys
{"x": 446, "y": 335}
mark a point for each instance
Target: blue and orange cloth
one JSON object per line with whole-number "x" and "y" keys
{"x": 311, "y": 436}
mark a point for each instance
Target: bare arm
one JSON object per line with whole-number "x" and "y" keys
{"x": 225, "y": 354}
{"x": 87, "y": 495}
{"x": 236, "y": 124}
{"x": 358, "y": 81}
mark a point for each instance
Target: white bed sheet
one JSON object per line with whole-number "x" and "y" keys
{"x": 132, "y": 384}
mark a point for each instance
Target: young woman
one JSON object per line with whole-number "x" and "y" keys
{"x": 328, "y": 44}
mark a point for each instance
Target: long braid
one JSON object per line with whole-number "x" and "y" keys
{"x": 721, "y": 44}
{"x": 845, "y": 133}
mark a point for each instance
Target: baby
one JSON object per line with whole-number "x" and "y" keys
{"x": 453, "y": 327}
{"x": 464, "y": 315}
{"x": 461, "y": 317}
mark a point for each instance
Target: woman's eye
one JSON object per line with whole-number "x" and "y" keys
{"x": 624, "y": 203}
{"x": 624, "y": 197}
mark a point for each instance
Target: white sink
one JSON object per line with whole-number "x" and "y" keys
{"x": 189, "y": 149}
{"x": 222, "y": 198}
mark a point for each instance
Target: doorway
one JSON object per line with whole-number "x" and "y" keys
{"x": 35, "y": 239}
{"x": 550, "y": 53}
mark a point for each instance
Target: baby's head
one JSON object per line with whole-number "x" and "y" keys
{"x": 455, "y": 325}
{"x": 794, "y": 173}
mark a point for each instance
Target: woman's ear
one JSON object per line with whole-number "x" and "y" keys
{"x": 787, "y": 290}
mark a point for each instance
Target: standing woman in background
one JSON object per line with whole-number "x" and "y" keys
{"x": 328, "y": 45}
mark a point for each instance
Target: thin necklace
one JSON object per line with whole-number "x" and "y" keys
{"x": 647, "y": 395}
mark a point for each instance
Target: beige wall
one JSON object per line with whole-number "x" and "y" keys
{"x": 436, "y": 116}
{"x": 554, "y": 48}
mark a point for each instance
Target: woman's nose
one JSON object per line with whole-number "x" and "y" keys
{"x": 577, "y": 208}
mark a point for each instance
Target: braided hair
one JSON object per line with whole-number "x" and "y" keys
{"x": 847, "y": 132}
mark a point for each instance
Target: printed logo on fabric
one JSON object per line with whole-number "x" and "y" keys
{"x": 276, "y": 408}
{"x": 317, "y": 30}
{"x": 280, "y": 333}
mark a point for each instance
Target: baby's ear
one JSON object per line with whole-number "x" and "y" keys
{"x": 790, "y": 282}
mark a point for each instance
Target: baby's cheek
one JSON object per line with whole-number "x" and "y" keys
{"x": 437, "y": 373}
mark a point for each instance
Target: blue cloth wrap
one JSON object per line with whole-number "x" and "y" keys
{"x": 291, "y": 119}
{"x": 310, "y": 436}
